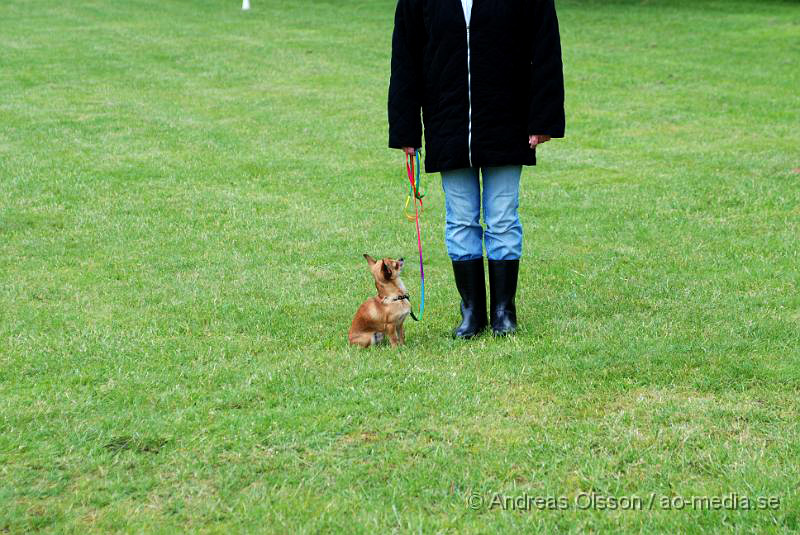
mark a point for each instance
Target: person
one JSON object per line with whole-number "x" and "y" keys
{"x": 487, "y": 77}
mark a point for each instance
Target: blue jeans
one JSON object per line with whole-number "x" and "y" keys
{"x": 463, "y": 234}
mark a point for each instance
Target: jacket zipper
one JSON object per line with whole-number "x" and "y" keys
{"x": 469, "y": 94}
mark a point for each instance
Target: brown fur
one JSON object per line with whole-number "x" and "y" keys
{"x": 380, "y": 317}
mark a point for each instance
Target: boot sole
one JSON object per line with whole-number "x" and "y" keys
{"x": 467, "y": 337}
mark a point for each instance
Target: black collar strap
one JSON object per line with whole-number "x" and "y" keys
{"x": 400, "y": 298}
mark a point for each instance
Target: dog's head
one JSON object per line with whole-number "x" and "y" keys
{"x": 385, "y": 271}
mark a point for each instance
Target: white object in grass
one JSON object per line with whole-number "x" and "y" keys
{"x": 245, "y": 5}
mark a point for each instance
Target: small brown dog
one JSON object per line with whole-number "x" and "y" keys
{"x": 382, "y": 316}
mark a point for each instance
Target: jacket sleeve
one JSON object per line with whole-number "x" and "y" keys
{"x": 546, "y": 112}
{"x": 406, "y": 82}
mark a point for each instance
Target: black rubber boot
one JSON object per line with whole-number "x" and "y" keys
{"x": 472, "y": 288}
{"x": 503, "y": 287}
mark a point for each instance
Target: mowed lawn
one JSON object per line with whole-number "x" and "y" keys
{"x": 186, "y": 191}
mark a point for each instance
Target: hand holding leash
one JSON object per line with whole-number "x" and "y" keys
{"x": 535, "y": 139}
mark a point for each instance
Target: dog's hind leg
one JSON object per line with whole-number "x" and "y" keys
{"x": 362, "y": 339}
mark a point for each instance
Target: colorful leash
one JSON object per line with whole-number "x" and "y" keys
{"x": 414, "y": 191}
{"x": 415, "y": 194}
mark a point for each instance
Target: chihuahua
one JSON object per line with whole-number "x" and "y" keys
{"x": 382, "y": 316}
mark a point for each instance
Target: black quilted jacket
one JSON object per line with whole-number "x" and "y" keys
{"x": 483, "y": 87}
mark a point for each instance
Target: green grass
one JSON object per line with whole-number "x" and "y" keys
{"x": 186, "y": 191}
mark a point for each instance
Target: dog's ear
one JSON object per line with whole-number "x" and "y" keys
{"x": 370, "y": 260}
{"x": 386, "y": 270}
